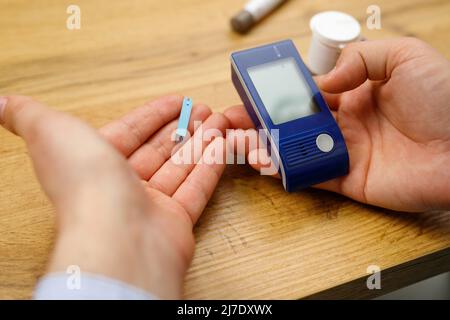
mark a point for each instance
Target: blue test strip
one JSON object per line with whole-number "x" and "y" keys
{"x": 183, "y": 121}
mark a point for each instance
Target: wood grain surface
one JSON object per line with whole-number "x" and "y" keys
{"x": 254, "y": 240}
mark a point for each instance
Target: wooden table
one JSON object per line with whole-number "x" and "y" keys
{"x": 254, "y": 240}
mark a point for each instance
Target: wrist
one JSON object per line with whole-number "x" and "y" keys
{"x": 118, "y": 245}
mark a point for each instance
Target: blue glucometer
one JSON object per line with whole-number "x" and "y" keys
{"x": 280, "y": 96}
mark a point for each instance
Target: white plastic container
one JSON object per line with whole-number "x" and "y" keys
{"x": 331, "y": 31}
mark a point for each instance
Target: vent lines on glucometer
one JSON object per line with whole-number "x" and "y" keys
{"x": 300, "y": 150}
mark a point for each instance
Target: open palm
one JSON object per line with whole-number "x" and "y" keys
{"x": 125, "y": 209}
{"x": 176, "y": 192}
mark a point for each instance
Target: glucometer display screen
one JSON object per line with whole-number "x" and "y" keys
{"x": 283, "y": 90}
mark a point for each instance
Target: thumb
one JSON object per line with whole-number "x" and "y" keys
{"x": 44, "y": 129}
{"x": 359, "y": 61}
{"x": 61, "y": 147}
{"x": 21, "y": 115}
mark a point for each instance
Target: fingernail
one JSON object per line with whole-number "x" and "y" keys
{"x": 3, "y": 102}
{"x": 332, "y": 70}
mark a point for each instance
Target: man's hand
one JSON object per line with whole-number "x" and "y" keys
{"x": 124, "y": 208}
{"x": 391, "y": 99}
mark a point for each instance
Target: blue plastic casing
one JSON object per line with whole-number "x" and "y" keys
{"x": 302, "y": 163}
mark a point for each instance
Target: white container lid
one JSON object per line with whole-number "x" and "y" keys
{"x": 335, "y": 28}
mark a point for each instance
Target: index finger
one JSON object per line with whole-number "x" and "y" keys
{"x": 239, "y": 118}
{"x": 129, "y": 132}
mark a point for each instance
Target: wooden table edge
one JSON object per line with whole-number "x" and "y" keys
{"x": 392, "y": 278}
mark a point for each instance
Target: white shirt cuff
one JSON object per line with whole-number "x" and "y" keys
{"x": 60, "y": 286}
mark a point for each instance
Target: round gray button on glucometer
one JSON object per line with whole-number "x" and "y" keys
{"x": 324, "y": 142}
